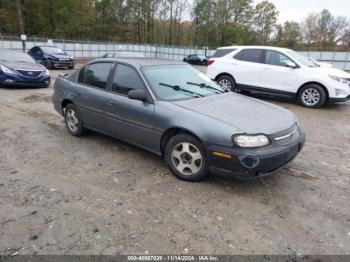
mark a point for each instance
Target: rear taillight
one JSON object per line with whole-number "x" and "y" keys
{"x": 211, "y": 61}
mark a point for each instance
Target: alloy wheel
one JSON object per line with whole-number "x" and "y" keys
{"x": 186, "y": 158}
{"x": 311, "y": 97}
{"x": 72, "y": 120}
{"x": 225, "y": 83}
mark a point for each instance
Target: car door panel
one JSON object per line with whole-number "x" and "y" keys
{"x": 127, "y": 119}
{"x": 277, "y": 76}
{"x": 246, "y": 67}
{"x": 91, "y": 102}
{"x": 131, "y": 120}
{"x": 91, "y": 94}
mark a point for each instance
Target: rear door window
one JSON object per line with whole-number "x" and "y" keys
{"x": 96, "y": 75}
{"x": 250, "y": 55}
{"x": 222, "y": 52}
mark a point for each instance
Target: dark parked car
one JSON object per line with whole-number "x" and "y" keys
{"x": 196, "y": 60}
{"x": 171, "y": 109}
{"x": 19, "y": 69}
{"x": 51, "y": 57}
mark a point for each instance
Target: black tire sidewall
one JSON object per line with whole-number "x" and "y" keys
{"x": 319, "y": 89}
{"x": 203, "y": 172}
{"x": 232, "y": 81}
{"x": 80, "y": 129}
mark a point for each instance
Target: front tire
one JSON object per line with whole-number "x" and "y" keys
{"x": 73, "y": 120}
{"x": 227, "y": 82}
{"x": 48, "y": 65}
{"x": 312, "y": 96}
{"x": 186, "y": 158}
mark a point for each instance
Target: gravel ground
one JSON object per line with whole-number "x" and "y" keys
{"x": 96, "y": 195}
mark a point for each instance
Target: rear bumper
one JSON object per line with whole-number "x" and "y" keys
{"x": 248, "y": 164}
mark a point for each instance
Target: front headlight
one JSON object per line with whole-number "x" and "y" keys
{"x": 251, "y": 140}
{"x": 341, "y": 80}
{"x": 7, "y": 70}
{"x": 46, "y": 72}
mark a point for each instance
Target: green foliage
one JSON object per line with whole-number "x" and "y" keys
{"x": 213, "y": 22}
{"x": 264, "y": 20}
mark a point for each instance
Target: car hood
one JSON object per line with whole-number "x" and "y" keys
{"x": 249, "y": 115}
{"x": 22, "y": 65}
{"x": 332, "y": 71}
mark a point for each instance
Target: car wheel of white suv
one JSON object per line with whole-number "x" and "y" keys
{"x": 312, "y": 96}
{"x": 227, "y": 82}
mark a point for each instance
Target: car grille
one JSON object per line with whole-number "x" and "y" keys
{"x": 29, "y": 73}
{"x": 287, "y": 136}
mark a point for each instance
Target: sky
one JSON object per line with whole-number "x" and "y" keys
{"x": 297, "y": 10}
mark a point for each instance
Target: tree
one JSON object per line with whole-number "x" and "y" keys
{"x": 265, "y": 18}
{"x": 310, "y": 30}
{"x": 288, "y": 35}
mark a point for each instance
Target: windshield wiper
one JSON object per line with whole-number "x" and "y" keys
{"x": 203, "y": 85}
{"x": 179, "y": 89}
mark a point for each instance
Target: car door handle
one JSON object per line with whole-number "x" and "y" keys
{"x": 112, "y": 103}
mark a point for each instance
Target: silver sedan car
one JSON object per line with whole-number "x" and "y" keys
{"x": 171, "y": 109}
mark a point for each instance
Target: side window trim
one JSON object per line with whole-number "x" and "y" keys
{"x": 80, "y": 72}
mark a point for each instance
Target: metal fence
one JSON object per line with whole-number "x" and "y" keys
{"x": 87, "y": 49}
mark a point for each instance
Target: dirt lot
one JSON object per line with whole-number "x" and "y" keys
{"x": 95, "y": 195}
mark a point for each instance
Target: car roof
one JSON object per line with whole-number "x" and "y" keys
{"x": 141, "y": 62}
{"x": 254, "y": 47}
{"x": 52, "y": 46}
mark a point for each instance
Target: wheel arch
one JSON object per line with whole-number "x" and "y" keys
{"x": 64, "y": 103}
{"x": 310, "y": 83}
{"x": 222, "y": 74}
{"x": 171, "y": 132}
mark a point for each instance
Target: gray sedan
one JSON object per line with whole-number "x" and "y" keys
{"x": 171, "y": 109}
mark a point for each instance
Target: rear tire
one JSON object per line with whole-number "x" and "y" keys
{"x": 312, "y": 96}
{"x": 186, "y": 158}
{"x": 227, "y": 82}
{"x": 73, "y": 120}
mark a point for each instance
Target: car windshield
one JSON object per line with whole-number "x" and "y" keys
{"x": 179, "y": 82}
{"x": 301, "y": 59}
{"x": 52, "y": 50}
{"x": 15, "y": 57}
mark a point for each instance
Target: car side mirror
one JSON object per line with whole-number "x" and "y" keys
{"x": 291, "y": 65}
{"x": 137, "y": 95}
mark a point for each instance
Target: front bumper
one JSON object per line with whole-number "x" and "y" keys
{"x": 338, "y": 100}
{"x": 249, "y": 164}
{"x": 65, "y": 63}
{"x": 13, "y": 81}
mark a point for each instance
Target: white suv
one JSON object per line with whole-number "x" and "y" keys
{"x": 280, "y": 72}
